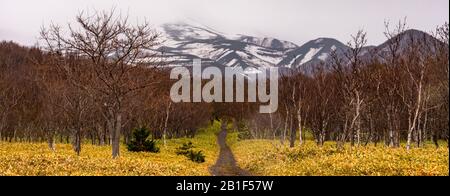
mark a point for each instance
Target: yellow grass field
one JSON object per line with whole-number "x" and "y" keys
{"x": 266, "y": 157}
{"x": 259, "y": 157}
{"x": 37, "y": 159}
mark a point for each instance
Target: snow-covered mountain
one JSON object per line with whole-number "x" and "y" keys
{"x": 314, "y": 51}
{"x": 268, "y": 42}
{"x": 183, "y": 42}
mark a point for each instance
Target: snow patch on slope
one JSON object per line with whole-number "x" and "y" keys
{"x": 267, "y": 42}
{"x": 318, "y": 41}
{"x": 293, "y": 60}
{"x": 201, "y": 50}
{"x": 333, "y": 48}
{"x": 274, "y": 57}
{"x": 323, "y": 56}
{"x": 311, "y": 53}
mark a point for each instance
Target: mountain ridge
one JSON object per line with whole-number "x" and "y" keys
{"x": 186, "y": 42}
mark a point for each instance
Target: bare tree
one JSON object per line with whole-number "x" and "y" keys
{"x": 350, "y": 77}
{"x": 322, "y": 105}
{"x": 415, "y": 66}
{"x": 392, "y": 59}
{"x": 115, "y": 51}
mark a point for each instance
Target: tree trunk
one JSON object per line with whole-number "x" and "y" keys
{"x": 116, "y": 135}
{"x": 424, "y": 128}
{"x": 293, "y": 132}
{"x": 300, "y": 126}
{"x": 14, "y": 135}
{"x": 358, "y": 119}
{"x": 369, "y": 137}
{"x": 51, "y": 141}
{"x": 77, "y": 141}
{"x": 101, "y": 134}
{"x": 166, "y": 121}
{"x": 343, "y": 137}
{"x": 286, "y": 124}
{"x": 93, "y": 138}
{"x": 271, "y": 122}
{"x": 419, "y": 131}
{"x": 2, "y": 126}
{"x": 416, "y": 114}
{"x": 391, "y": 126}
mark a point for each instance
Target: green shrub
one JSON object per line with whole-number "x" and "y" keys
{"x": 187, "y": 150}
{"x": 197, "y": 157}
{"x": 139, "y": 142}
{"x": 243, "y": 131}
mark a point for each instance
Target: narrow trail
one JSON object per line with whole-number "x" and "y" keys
{"x": 226, "y": 163}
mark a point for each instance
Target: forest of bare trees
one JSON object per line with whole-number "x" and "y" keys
{"x": 97, "y": 81}
{"x": 394, "y": 95}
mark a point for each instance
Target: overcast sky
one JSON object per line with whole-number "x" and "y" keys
{"x": 293, "y": 20}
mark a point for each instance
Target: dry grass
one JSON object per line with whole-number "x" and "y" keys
{"x": 37, "y": 159}
{"x": 266, "y": 157}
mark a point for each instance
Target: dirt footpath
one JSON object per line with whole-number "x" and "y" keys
{"x": 226, "y": 164}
